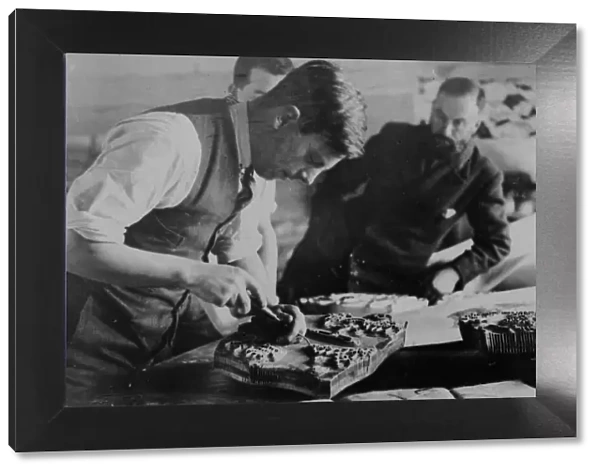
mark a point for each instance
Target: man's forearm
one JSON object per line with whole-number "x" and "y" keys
{"x": 268, "y": 253}
{"x": 491, "y": 239}
{"x": 481, "y": 257}
{"x": 122, "y": 265}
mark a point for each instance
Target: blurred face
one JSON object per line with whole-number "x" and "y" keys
{"x": 454, "y": 121}
{"x": 289, "y": 155}
{"x": 259, "y": 83}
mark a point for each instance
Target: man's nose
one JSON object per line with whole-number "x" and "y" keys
{"x": 448, "y": 129}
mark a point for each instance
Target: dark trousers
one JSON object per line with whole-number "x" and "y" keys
{"x": 123, "y": 331}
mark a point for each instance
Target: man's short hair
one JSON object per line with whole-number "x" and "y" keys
{"x": 329, "y": 105}
{"x": 278, "y": 66}
{"x": 462, "y": 86}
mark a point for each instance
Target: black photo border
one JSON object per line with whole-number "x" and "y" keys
{"x": 39, "y": 41}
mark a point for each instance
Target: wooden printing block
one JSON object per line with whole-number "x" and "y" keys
{"x": 316, "y": 368}
{"x": 500, "y": 332}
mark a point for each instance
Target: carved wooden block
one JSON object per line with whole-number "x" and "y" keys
{"x": 500, "y": 332}
{"x": 338, "y": 351}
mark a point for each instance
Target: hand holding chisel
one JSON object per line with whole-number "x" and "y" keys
{"x": 285, "y": 322}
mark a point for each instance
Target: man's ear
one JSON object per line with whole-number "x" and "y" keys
{"x": 285, "y": 115}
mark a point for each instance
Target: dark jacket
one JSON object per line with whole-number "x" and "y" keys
{"x": 389, "y": 207}
{"x": 415, "y": 196}
{"x": 319, "y": 263}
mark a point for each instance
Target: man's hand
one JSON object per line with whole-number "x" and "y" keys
{"x": 445, "y": 281}
{"x": 255, "y": 267}
{"x": 291, "y": 323}
{"x": 271, "y": 296}
{"x": 442, "y": 284}
{"x": 224, "y": 285}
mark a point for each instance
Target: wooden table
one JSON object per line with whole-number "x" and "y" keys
{"x": 433, "y": 365}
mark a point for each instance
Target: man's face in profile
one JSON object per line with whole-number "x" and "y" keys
{"x": 259, "y": 83}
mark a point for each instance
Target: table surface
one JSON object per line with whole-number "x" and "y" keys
{"x": 433, "y": 365}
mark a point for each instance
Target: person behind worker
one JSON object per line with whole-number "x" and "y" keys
{"x": 252, "y": 78}
{"x": 377, "y": 221}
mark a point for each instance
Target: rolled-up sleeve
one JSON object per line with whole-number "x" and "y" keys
{"x": 269, "y": 204}
{"x": 242, "y": 238}
{"x": 237, "y": 242}
{"x": 147, "y": 162}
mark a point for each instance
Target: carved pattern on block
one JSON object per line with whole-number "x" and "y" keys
{"x": 320, "y": 370}
{"x": 501, "y": 332}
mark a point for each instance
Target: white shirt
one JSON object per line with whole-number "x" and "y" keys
{"x": 151, "y": 161}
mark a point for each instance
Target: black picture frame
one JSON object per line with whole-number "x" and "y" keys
{"x": 39, "y": 40}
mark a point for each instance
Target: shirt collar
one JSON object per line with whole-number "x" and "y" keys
{"x": 239, "y": 113}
